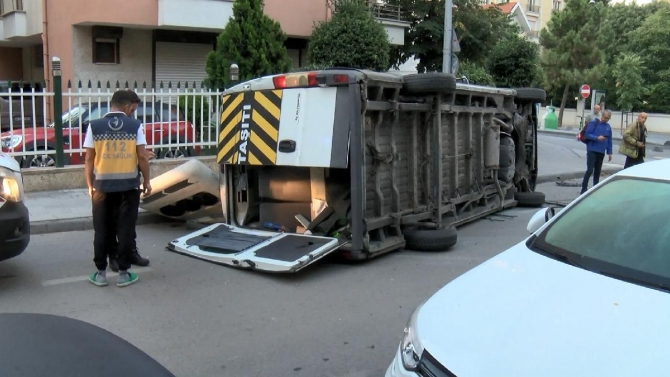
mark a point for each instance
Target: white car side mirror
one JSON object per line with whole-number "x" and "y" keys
{"x": 540, "y": 218}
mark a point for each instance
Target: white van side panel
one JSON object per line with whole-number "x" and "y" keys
{"x": 307, "y": 118}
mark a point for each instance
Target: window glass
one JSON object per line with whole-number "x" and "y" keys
{"x": 624, "y": 222}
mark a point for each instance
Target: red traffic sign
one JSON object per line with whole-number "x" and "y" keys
{"x": 586, "y": 91}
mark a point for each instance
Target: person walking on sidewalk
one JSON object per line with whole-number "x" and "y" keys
{"x": 599, "y": 142}
{"x": 634, "y": 140}
{"x": 115, "y": 156}
{"x": 595, "y": 114}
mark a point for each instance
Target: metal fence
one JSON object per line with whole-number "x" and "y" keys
{"x": 180, "y": 120}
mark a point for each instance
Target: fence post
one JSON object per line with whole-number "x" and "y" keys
{"x": 58, "y": 110}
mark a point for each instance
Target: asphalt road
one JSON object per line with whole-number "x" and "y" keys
{"x": 200, "y": 319}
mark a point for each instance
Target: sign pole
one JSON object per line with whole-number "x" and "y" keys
{"x": 448, "y": 36}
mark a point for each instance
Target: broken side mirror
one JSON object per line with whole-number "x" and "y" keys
{"x": 541, "y": 217}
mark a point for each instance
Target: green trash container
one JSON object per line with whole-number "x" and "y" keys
{"x": 550, "y": 119}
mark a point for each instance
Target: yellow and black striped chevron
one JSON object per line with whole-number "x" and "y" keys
{"x": 250, "y": 128}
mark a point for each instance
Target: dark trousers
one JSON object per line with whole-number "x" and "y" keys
{"x": 114, "y": 218}
{"x": 633, "y": 161}
{"x": 594, "y": 163}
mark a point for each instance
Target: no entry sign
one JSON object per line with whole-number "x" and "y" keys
{"x": 586, "y": 91}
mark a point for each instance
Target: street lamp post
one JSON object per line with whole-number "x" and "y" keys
{"x": 234, "y": 74}
{"x": 58, "y": 110}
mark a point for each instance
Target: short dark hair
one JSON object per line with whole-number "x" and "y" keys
{"x": 124, "y": 97}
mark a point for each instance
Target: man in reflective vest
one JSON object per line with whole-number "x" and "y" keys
{"x": 115, "y": 156}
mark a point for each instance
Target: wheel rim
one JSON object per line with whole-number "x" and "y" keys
{"x": 175, "y": 153}
{"x": 42, "y": 161}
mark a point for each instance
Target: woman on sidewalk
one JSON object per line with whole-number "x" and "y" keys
{"x": 599, "y": 142}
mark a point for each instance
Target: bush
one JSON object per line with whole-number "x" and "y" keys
{"x": 515, "y": 62}
{"x": 475, "y": 73}
{"x": 352, "y": 38}
{"x": 253, "y": 41}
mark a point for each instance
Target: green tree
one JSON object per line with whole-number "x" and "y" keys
{"x": 629, "y": 82}
{"x": 573, "y": 44}
{"x": 351, "y": 38}
{"x": 515, "y": 62}
{"x": 253, "y": 41}
{"x": 478, "y": 31}
{"x": 623, "y": 19}
{"x": 652, "y": 42}
{"x": 475, "y": 73}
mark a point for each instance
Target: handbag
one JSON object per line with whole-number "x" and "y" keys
{"x": 581, "y": 136}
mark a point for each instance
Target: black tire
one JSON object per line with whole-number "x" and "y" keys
{"x": 31, "y": 162}
{"x": 529, "y": 199}
{"x": 180, "y": 152}
{"x": 422, "y": 239}
{"x": 532, "y": 94}
{"x": 429, "y": 83}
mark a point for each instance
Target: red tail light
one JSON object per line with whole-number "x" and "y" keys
{"x": 298, "y": 80}
{"x": 341, "y": 79}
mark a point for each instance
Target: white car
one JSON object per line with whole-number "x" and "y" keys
{"x": 14, "y": 218}
{"x": 587, "y": 294}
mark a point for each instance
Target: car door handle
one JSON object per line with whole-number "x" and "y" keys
{"x": 287, "y": 146}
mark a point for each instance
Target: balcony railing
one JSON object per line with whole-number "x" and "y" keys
{"x": 533, "y": 8}
{"x": 382, "y": 11}
{"x": 7, "y": 6}
{"x": 387, "y": 12}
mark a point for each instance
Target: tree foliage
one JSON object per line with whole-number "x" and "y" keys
{"x": 573, "y": 46}
{"x": 652, "y": 42}
{"x": 476, "y": 74}
{"x": 629, "y": 82}
{"x": 351, "y": 38}
{"x": 515, "y": 62}
{"x": 478, "y": 31}
{"x": 253, "y": 41}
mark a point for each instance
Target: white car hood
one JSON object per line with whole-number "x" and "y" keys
{"x": 6, "y": 161}
{"x": 524, "y": 314}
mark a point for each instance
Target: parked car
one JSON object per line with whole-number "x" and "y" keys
{"x": 587, "y": 294}
{"x": 14, "y": 217}
{"x": 164, "y": 124}
{"x": 16, "y": 110}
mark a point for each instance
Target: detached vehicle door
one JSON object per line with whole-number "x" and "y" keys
{"x": 300, "y": 120}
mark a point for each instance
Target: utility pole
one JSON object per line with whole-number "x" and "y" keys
{"x": 448, "y": 36}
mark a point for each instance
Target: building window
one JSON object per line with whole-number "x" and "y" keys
{"x": 557, "y": 5}
{"x": 38, "y": 56}
{"x": 106, "y": 51}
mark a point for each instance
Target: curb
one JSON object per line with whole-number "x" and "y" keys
{"x": 572, "y": 175}
{"x": 571, "y": 134}
{"x": 86, "y": 223}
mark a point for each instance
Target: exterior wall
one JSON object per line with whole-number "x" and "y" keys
{"x": 297, "y": 16}
{"x": 33, "y": 9}
{"x": 655, "y": 122}
{"x": 11, "y": 64}
{"x": 136, "y": 58}
{"x": 62, "y": 14}
{"x": 31, "y": 71}
{"x": 195, "y": 14}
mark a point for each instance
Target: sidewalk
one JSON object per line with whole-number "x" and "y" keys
{"x": 653, "y": 138}
{"x": 67, "y": 211}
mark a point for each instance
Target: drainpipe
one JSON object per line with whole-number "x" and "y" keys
{"x": 45, "y": 59}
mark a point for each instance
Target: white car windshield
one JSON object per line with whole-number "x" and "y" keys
{"x": 620, "y": 229}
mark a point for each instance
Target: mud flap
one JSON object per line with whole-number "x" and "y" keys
{"x": 254, "y": 249}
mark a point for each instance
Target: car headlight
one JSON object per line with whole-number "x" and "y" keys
{"x": 411, "y": 347}
{"x": 10, "y": 142}
{"x": 11, "y": 187}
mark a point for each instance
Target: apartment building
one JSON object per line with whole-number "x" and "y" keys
{"x": 141, "y": 40}
{"x": 536, "y": 12}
